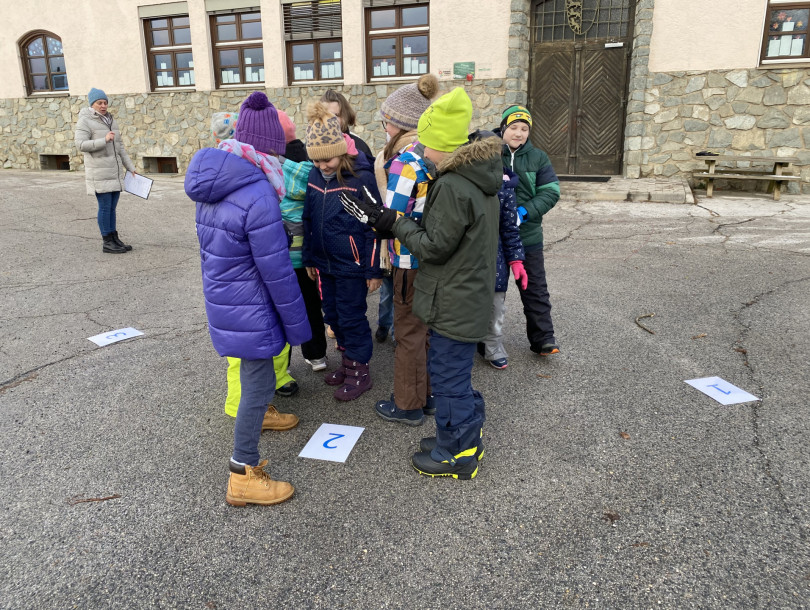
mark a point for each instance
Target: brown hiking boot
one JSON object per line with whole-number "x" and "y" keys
{"x": 273, "y": 420}
{"x": 252, "y": 485}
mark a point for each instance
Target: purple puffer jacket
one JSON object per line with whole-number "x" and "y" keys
{"x": 252, "y": 298}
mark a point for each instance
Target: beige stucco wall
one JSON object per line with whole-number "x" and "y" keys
{"x": 706, "y": 34}
{"x": 104, "y": 47}
{"x": 470, "y": 30}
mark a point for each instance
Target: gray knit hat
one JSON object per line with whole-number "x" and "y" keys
{"x": 405, "y": 105}
{"x": 223, "y": 125}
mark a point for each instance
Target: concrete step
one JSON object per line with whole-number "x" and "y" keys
{"x": 618, "y": 188}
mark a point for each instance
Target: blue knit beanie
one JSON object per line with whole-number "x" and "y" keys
{"x": 96, "y": 95}
{"x": 259, "y": 126}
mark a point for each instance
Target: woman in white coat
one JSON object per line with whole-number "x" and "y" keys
{"x": 98, "y": 137}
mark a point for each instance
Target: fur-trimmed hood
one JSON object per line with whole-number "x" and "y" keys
{"x": 478, "y": 161}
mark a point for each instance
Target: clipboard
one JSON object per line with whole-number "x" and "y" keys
{"x": 138, "y": 185}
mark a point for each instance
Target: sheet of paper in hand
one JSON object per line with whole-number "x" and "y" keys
{"x": 138, "y": 185}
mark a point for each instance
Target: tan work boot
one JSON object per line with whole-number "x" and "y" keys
{"x": 252, "y": 485}
{"x": 273, "y": 420}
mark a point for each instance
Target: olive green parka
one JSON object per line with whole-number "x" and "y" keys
{"x": 456, "y": 243}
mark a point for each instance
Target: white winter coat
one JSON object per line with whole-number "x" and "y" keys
{"x": 102, "y": 168}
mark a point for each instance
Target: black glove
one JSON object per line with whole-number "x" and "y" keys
{"x": 369, "y": 211}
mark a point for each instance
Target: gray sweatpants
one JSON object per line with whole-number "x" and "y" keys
{"x": 493, "y": 343}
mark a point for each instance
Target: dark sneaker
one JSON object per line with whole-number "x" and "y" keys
{"x": 382, "y": 334}
{"x": 388, "y": 410}
{"x": 499, "y": 363}
{"x": 547, "y": 349}
{"x": 288, "y": 389}
{"x": 430, "y": 405}
{"x": 429, "y": 444}
{"x": 426, "y": 465}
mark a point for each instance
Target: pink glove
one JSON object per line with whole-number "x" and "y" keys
{"x": 350, "y": 146}
{"x": 519, "y": 272}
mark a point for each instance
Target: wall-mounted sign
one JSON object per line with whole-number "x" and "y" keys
{"x": 463, "y": 70}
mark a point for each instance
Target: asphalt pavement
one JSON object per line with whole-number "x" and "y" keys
{"x": 607, "y": 482}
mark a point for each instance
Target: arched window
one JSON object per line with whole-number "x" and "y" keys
{"x": 43, "y": 62}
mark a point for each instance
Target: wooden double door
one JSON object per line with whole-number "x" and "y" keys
{"x": 578, "y": 85}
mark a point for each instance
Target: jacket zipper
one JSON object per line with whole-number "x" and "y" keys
{"x": 115, "y": 154}
{"x": 323, "y": 211}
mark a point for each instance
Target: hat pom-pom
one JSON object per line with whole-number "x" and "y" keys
{"x": 428, "y": 85}
{"x": 257, "y": 101}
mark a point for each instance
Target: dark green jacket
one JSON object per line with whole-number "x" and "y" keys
{"x": 538, "y": 190}
{"x": 457, "y": 243}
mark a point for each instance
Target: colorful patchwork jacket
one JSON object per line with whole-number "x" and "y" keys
{"x": 408, "y": 178}
{"x": 292, "y": 206}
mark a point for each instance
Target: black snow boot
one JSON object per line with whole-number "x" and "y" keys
{"x": 110, "y": 245}
{"x": 119, "y": 242}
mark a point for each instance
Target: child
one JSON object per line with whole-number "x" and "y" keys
{"x": 408, "y": 173}
{"x": 510, "y": 251}
{"x": 340, "y": 107}
{"x": 537, "y": 192}
{"x": 296, "y": 172}
{"x": 252, "y": 299}
{"x": 456, "y": 244}
{"x": 223, "y": 126}
{"x": 343, "y": 251}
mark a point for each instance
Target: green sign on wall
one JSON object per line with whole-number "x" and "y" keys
{"x": 462, "y": 68}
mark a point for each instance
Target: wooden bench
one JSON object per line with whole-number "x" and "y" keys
{"x": 775, "y": 175}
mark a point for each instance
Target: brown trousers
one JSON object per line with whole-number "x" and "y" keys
{"x": 411, "y": 381}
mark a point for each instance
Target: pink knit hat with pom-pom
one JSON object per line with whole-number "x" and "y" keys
{"x": 287, "y": 125}
{"x": 259, "y": 125}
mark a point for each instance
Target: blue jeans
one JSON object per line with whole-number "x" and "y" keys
{"x": 460, "y": 410}
{"x": 258, "y": 381}
{"x": 106, "y": 211}
{"x": 386, "y": 310}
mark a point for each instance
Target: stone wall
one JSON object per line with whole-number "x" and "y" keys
{"x": 178, "y": 124}
{"x": 752, "y": 111}
{"x": 671, "y": 115}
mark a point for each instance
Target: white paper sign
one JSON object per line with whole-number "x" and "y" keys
{"x": 722, "y": 391}
{"x": 137, "y": 185}
{"x": 331, "y": 442}
{"x": 113, "y": 336}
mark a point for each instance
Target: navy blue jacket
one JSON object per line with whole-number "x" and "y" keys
{"x": 510, "y": 248}
{"x": 334, "y": 241}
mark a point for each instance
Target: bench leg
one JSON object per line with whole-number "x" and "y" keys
{"x": 777, "y": 189}
{"x": 709, "y": 186}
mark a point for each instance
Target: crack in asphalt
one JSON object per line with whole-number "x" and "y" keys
{"x": 134, "y": 274}
{"x": 757, "y": 406}
{"x": 30, "y": 374}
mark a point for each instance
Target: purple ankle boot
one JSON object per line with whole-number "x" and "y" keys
{"x": 338, "y": 376}
{"x": 358, "y": 380}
